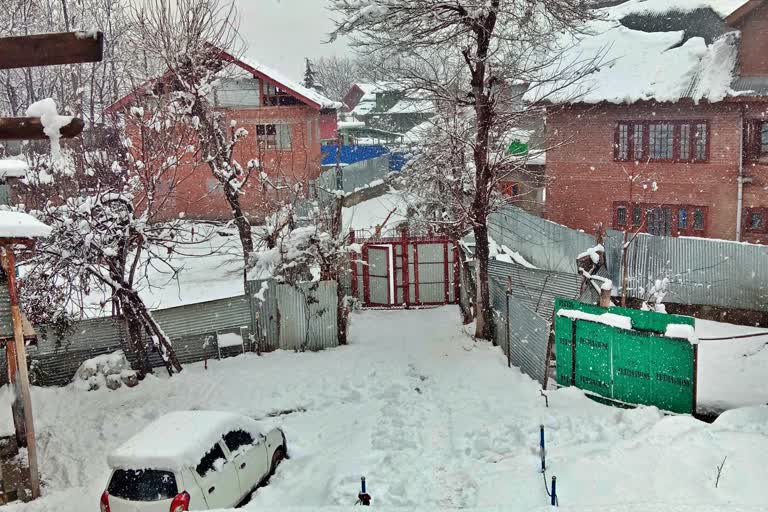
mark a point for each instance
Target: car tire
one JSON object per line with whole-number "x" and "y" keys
{"x": 277, "y": 458}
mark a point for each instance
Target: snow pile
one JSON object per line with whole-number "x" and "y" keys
{"x": 632, "y": 65}
{"x": 610, "y": 319}
{"x": 13, "y": 169}
{"x": 178, "y": 439}
{"x": 722, "y": 7}
{"x": 505, "y": 254}
{"x": 229, "y": 339}
{"x": 110, "y": 370}
{"x": 387, "y": 211}
{"x": 686, "y": 332}
{"x": 52, "y": 122}
{"x": 593, "y": 253}
{"x": 21, "y": 225}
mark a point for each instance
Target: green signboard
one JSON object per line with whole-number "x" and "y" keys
{"x": 638, "y": 366}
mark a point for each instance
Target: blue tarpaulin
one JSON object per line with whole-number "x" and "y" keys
{"x": 352, "y": 154}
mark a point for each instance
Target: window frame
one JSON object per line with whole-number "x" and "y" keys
{"x": 747, "y": 221}
{"x": 645, "y": 126}
{"x": 509, "y": 189}
{"x": 689, "y": 229}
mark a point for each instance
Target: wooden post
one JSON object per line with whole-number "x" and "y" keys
{"x": 605, "y": 298}
{"x": 22, "y": 374}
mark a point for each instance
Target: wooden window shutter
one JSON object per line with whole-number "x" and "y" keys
{"x": 751, "y": 140}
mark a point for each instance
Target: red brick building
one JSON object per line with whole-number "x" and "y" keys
{"x": 286, "y": 123}
{"x": 671, "y": 137}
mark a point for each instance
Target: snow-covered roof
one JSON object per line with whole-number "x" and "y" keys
{"x": 21, "y": 225}
{"x": 178, "y": 439}
{"x": 645, "y": 64}
{"x": 13, "y": 169}
{"x": 287, "y": 83}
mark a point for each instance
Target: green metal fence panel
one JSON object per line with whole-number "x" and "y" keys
{"x": 641, "y": 320}
{"x": 638, "y": 366}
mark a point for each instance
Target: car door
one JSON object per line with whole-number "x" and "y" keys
{"x": 249, "y": 456}
{"x": 217, "y": 477}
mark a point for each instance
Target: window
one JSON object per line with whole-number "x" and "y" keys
{"x": 763, "y": 139}
{"x": 213, "y": 185}
{"x": 266, "y": 136}
{"x": 670, "y": 141}
{"x": 660, "y": 141}
{"x": 274, "y": 96}
{"x": 273, "y": 136}
{"x": 213, "y": 459}
{"x": 237, "y": 439}
{"x": 755, "y": 220}
{"x": 142, "y": 485}
{"x": 621, "y": 216}
{"x": 698, "y": 219}
{"x": 663, "y": 220}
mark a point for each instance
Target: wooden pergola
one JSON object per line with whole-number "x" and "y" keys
{"x": 24, "y": 52}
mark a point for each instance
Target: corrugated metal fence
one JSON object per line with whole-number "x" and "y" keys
{"x": 276, "y": 322}
{"x": 543, "y": 243}
{"x": 700, "y": 271}
{"x": 522, "y": 301}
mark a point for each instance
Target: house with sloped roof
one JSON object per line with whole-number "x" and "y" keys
{"x": 387, "y": 110}
{"x": 668, "y": 133}
{"x": 286, "y": 124}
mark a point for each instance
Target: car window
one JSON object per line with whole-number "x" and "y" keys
{"x": 238, "y": 440}
{"x": 213, "y": 460}
{"x": 142, "y": 485}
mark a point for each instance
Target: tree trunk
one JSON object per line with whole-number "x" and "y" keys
{"x": 243, "y": 231}
{"x": 482, "y": 293}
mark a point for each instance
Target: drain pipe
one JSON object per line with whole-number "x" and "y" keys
{"x": 740, "y": 179}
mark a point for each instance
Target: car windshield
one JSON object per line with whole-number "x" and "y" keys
{"x": 142, "y": 485}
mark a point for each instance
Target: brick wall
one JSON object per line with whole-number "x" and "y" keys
{"x": 198, "y": 195}
{"x": 584, "y": 180}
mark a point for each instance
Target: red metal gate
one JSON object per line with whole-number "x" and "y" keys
{"x": 405, "y": 271}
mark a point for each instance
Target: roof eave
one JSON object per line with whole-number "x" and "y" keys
{"x": 736, "y": 17}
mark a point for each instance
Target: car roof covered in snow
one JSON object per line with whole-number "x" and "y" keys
{"x": 178, "y": 440}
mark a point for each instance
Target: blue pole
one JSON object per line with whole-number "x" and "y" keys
{"x": 554, "y": 491}
{"x": 542, "y": 449}
{"x": 362, "y": 484}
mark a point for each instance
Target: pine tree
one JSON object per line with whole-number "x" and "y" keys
{"x": 309, "y": 75}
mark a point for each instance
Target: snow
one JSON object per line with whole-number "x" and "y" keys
{"x": 347, "y": 125}
{"x": 434, "y": 420}
{"x": 632, "y": 65}
{"x": 13, "y": 169}
{"x": 178, "y": 439}
{"x": 419, "y": 133}
{"x": 687, "y": 332}
{"x": 52, "y": 122}
{"x": 278, "y": 77}
{"x": 731, "y": 372}
{"x": 611, "y": 319}
{"x": 373, "y": 212}
{"x": 593, "y": 253}
{"x": 21, "y": 225}
{"x": 504, "y": 253}
{"x": 721, "y": 7}
{"x": 229, "y": 339}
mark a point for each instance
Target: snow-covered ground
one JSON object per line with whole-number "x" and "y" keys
{"x": 732, "y": 373}
{"x": 387, "y": 210}
{"x": 432, "y": 419}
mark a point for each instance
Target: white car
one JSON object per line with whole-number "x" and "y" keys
{"x": 191, "y": 460}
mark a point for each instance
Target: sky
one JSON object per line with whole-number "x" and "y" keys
{"x": 281, "y": 33}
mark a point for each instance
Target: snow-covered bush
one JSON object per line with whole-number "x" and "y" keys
{"x": 107, "y": 370}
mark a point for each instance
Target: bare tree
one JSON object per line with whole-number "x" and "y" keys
{"x": 337, "y": 74}
{"x": 194, "y": 40}
{"x": 483, "y": 48}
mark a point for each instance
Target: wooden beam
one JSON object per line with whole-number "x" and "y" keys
{"x": 51, "y": 49}
{"x": 22, "y": 373}
{"x": 30, "y": 128}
